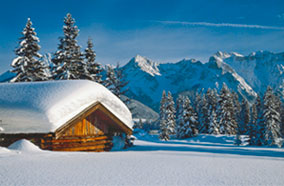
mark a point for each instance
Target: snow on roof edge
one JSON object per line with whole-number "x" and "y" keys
{"x": 53, "y": 103}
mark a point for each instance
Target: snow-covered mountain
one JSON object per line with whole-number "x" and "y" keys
{"x": 247, "y": 75}
{"x": 259, "y": 69}
{"x": 148, "y": 79}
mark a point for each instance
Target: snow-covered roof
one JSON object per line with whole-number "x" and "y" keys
{"x": 36, "y": 107}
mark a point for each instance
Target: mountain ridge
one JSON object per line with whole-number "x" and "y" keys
{"x": 247, "y": 75}
{"x": 188, "y": 75}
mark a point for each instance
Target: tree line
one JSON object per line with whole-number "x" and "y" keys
{"x": 67, "y": 63}
{"x": 223, "y": 113}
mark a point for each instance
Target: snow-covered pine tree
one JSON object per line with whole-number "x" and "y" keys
{"x": 28, "y": 65}
{"x": 252, "y": 127}
{"x": 68, "y": 60}
{"x": 190, "y": 120}
{"x": 282, "y": 120}
{"x": 226, "y": 115}
{"x": 213, "y": 127}
{"x": 203, "y": 126}
{"x": 244, "y": 117}
{"x": 213, "y": 124}
{"x": 163, "y": 132}
{"x": 260, "y": 125}
{"x": 110, "y": 78}
{"x": 121, "y": 83}
{"x": 93, "y": 68}
{"x": 237, "y": 108}
{"x": 281, "y": 95}
{"x": 278, "y": 108}
{"x": 170, "y": 114}
{"x": 115, "y": 81}
{"x": 271, "y": 118}
{"x": 197, "y": 106}
{"x": 179, "y": 116}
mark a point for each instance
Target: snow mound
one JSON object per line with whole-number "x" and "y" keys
{"x": 4, "y": 150}
{"x": 24, "y": 146}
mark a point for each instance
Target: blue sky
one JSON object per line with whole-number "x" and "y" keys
{"x": 165, "y": 31}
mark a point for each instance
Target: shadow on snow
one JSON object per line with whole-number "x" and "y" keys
{"x": 217, "y": 148}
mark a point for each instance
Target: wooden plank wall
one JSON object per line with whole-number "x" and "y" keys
{"x": 8, "y": 139}
{"x": 87, "y": 134}
{"x": 86, "y": 143}
{"x": 91, "y": 125}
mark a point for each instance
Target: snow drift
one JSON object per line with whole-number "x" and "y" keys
{"x": 24, "y": 146}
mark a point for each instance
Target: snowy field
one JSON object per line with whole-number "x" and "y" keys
{"x": 204, "y": 160}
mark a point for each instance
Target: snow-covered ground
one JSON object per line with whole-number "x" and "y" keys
{"x": 204, "y": 160}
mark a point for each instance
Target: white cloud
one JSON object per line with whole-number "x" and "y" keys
{"x": 220, "y": 25}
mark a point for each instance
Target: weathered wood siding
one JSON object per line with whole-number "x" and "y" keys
{"x": 8, "y": 139}
{"x": 91, "y": 125}
{"x": 87, "y": 143}
{"x": 90, "y": 133}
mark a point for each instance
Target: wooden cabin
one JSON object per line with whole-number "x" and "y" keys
{"x": 73, "y": 115}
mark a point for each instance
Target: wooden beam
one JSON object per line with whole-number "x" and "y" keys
{"x": 81, "y": 139}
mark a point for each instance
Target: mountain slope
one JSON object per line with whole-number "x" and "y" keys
{"x": 259, "y": 69}
{"x": 146, "y": 86}
{"x": 141, "y": 111}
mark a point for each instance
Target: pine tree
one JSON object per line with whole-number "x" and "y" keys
{"x": 281, "y": 95}
{"x": 213, "y": 124}
{"x": 211, "y": 106}
{"x": 93, "y": 68}
{"x": 28, "y": 66}
{"x": 110, "y": 78}
{"x": 260, "y": 125}
{"x": 244, "y": 117}
{"x": 203, "y": 126}
{"x": 115, "y": 81}
{"x": 164, "y": 134}
{"x": 190, "y": 120}
{"x": 237, "y": 108}
{"x": 197, "y": 105}
{"x": 68, "y": 60}
{"x": 170, "y": 114}
{"x": 282, "y": 120}
{"x": 252, "y": 127}
{"x": 271, "y": 118}
{"x": 179, "y": 116}
{"x": 225, "y": 112}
